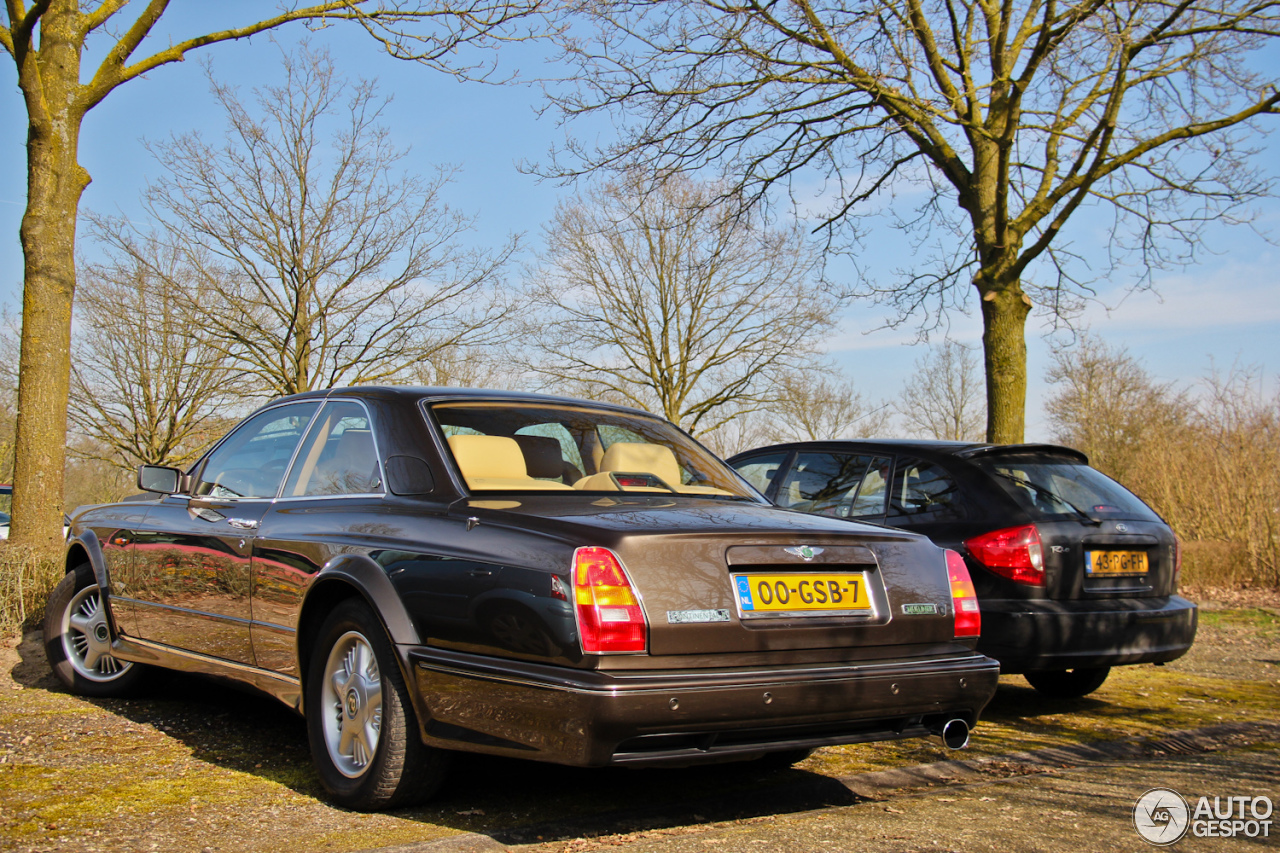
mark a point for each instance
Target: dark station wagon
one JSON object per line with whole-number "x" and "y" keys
{"x": 430, "y": 571}
{"x": 1073, "y": 572}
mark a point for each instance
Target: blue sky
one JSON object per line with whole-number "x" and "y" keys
{"x": 1225, "y": 308}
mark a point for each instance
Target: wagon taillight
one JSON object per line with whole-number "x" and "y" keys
{"x": 1015, "y": 553}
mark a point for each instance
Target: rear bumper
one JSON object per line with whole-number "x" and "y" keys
{"x": 1049, "y": 635}
{"x": 593, "y": 718}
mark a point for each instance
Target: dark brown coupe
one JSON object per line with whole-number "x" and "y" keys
{"x": 428, "y": 571}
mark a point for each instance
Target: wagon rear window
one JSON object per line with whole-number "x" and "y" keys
{"x": 1060, "y": 488}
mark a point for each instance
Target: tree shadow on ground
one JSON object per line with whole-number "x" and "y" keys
{"x": 511, "y": 800}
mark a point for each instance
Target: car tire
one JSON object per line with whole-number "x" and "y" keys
{"x": 360, "y": 722}
{"x": 77, "y": 640}
{"x": 1068, "y": 683}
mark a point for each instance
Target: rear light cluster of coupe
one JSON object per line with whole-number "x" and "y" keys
{"x": 964, "y": 601}
{"x": 609, "y": 615}
{"x": 1015, "y": 553}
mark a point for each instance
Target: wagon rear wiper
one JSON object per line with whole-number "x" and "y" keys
{"x": 1051, "y": 495}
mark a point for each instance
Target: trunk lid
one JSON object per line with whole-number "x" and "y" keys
{"x": 712, "y": 575}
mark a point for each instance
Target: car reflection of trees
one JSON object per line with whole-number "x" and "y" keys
{"x": 175, "y": 569}
{"x": 280, "y": 579}
{"x": 523, "y": 611}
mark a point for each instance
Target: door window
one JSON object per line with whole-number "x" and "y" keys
{"x": 760, "y": 471}
{"x": 251, "y": 462}
{"x": 923, "y": 492}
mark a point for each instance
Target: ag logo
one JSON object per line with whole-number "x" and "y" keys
{"x": 804, "y": 552}
{"x": 1161, "y": 816}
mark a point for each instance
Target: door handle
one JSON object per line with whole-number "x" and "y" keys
{"x": 243, "y": 523}
{"x": 480, "y": 573}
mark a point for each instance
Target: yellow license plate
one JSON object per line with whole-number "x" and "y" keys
{"x": 1116, "y": 562}
{"x": 802, "y": 593}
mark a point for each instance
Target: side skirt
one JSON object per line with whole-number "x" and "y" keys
{"x": 283, "y": 687}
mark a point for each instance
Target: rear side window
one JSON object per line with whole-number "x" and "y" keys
{"x": 760, "y": 471}
{"x": 339, "y": 456}
{"x": 1049, "y": 488}
{"x": 844, "y": 485}
{"x": 923, "y": 492}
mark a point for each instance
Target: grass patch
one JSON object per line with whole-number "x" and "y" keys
{"x": 1265, "y": 623}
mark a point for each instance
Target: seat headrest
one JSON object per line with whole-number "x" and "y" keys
{"x": 486, "y": 456}
{"x": 542, "y": 455}
{"x": 647, "y": 458}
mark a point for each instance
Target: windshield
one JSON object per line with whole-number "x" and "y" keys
{"x": 547, "y": 447}
{"x": 1051, "y": 488}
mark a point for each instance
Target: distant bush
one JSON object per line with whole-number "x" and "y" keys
{"x": 1204, "y": 457}
{"x": 26, "y": 577}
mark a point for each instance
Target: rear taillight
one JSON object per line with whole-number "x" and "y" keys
{"x": 964, "y": 601}
{"x": 1014, "y": 553}
{"x": 609, "y": 615}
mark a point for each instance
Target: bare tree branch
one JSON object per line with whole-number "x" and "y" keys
{"x": 1006, "y": 119}
{"x": 668, "y": 299}
{"x": 50, "y": 76}
{"x": 943, "y": 398}
{"x": 320, "y": 263}
{"x": 149, "y": 387}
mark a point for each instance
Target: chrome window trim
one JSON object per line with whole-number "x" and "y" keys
{"x": 377, "y": 454}
{"x": 292, "y": 498}
{"x": 442, "y": 446}
{"x": 198, "y": 470}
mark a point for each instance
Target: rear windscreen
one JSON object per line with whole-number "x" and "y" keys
{"x": 1062, "y": 488}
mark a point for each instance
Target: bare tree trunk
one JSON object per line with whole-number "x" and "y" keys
{"x": 55, "y": 182}
{"x": 1004, "y": 347}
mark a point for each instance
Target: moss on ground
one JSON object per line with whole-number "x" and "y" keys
{"x": 1266, "y": 623}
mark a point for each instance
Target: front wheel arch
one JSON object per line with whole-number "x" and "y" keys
{"x": 78, "y": 637}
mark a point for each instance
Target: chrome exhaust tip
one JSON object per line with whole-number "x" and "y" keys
{"x": 955, "y": 734}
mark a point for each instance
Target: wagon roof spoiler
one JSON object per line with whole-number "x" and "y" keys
{"x": 1003, "y": 449}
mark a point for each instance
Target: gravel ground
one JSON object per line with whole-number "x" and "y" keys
{"x": 1235, "y": 647}
{"x": 201, "y": 767}
{"x": 1058, "y": 809}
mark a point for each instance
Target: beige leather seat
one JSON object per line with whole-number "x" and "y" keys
{"x": 495, "y": 462}
{"x": 632, "y": 457}
{"x": 652, "y": 459}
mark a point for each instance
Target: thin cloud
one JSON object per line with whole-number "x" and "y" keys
{"x": 1235, "y": 294}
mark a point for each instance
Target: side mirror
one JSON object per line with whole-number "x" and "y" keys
{"x": 157, "y": 478}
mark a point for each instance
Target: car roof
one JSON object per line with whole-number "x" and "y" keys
{"x": 441, "y": 394}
